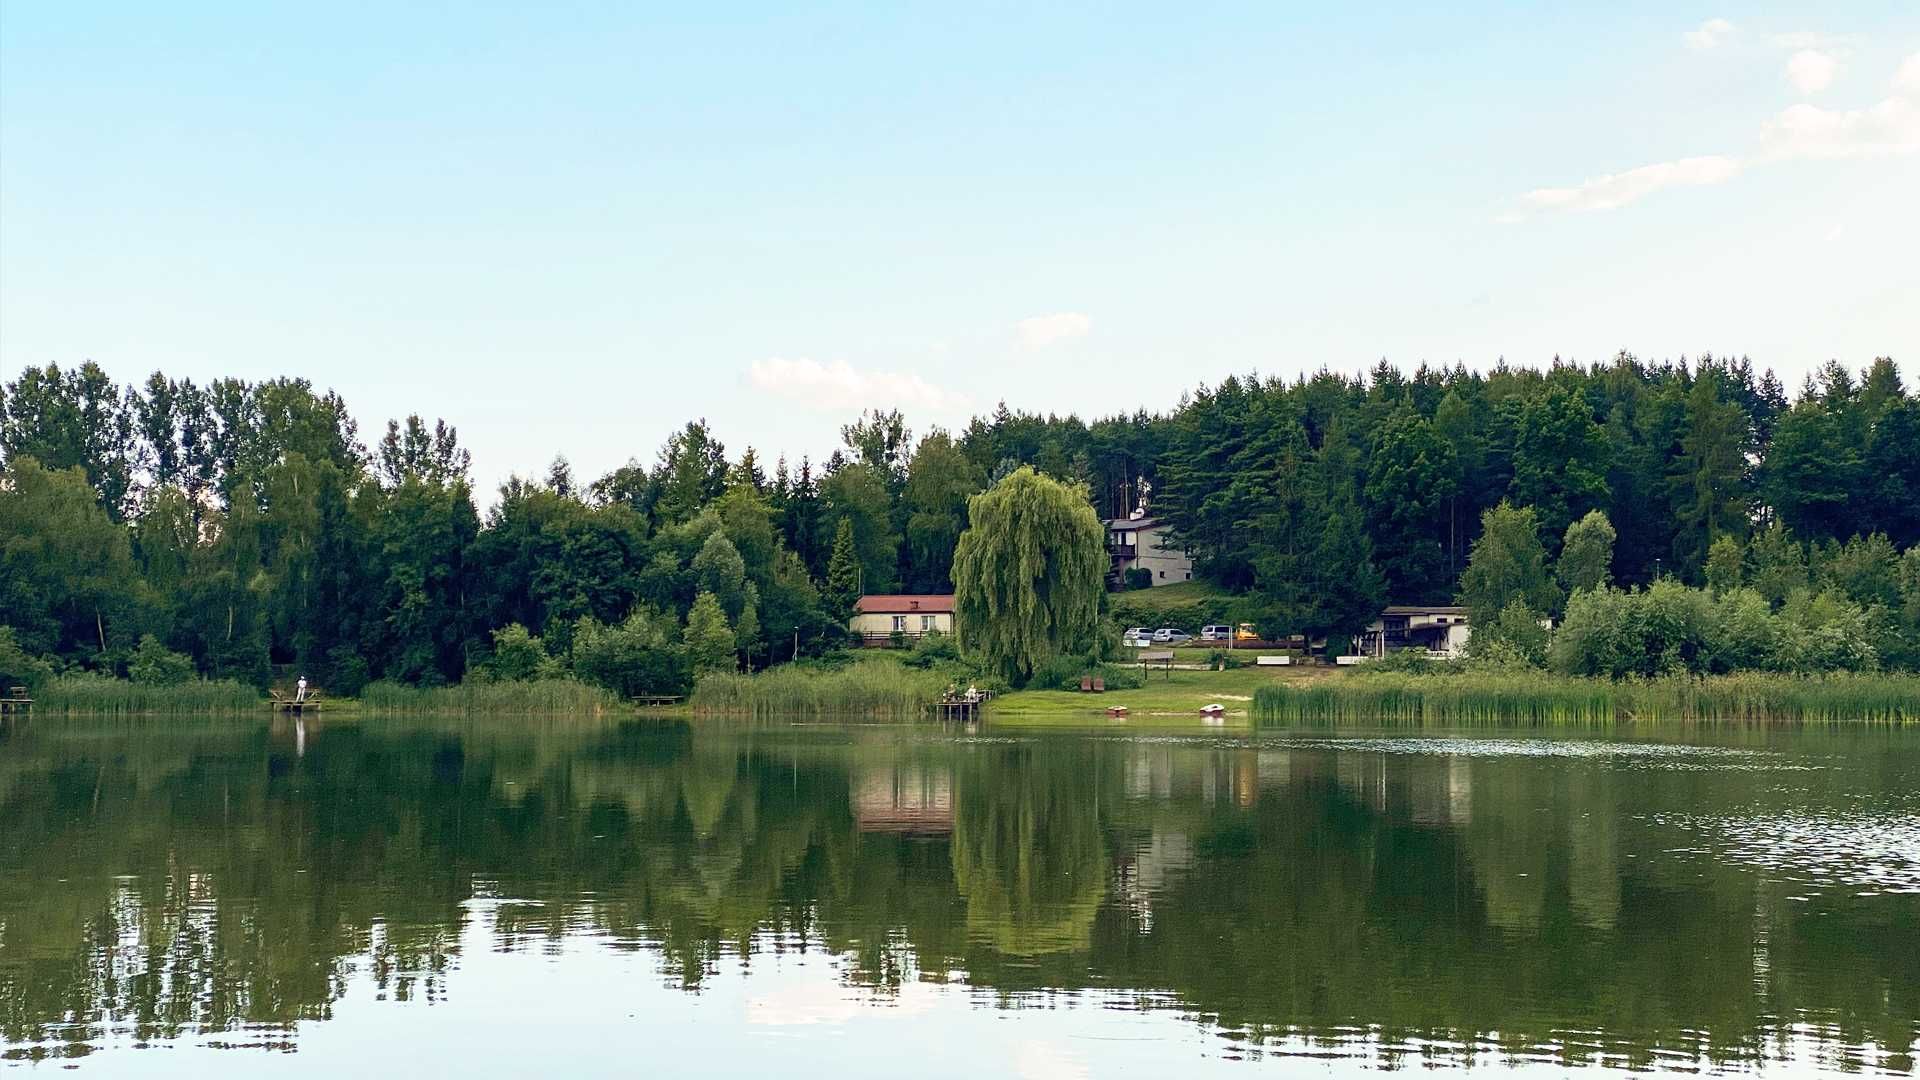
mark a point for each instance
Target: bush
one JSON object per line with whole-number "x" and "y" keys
{"x": 1669, "y": 628}
{"x": 20, "y": 668}
{"x": 933, "y": 648}
{"x": 1516, "y": 638}
{"x": 154, "y": 664}
{"x": 1065, "y": 673}
{"x": 1138, "y": 577}
{"x": 1412, "y": 661}
{"x": 519, "y": 656}
{"x": 630, "y": 659}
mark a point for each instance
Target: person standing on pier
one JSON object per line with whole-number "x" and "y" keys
{"x": 300, "y": 690}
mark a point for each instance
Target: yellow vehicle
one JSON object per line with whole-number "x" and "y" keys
{"x": 1244, "y": 632}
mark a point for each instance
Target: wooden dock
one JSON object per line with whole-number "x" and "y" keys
{"x": 16, "y": 702}
{"x": 968, "y": 706}
{"x": 658, "y": 701}
{"x": 280, "y": 704}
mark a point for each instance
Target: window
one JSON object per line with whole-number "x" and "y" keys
{"x": 926, "y": 623}
{"x": 900, "y": 623}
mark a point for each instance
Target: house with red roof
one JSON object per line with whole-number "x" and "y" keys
{"x": 878, "y": 618}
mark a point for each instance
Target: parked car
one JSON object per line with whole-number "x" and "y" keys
{"x": 1136, "y": 636}
{"x": 1167, "y": 635}
{"x": 1216, "y": 632}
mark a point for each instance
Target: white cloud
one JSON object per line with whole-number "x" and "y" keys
{"x": 1907, "y": 79}
{"x": 1889, "y": 127}
{"x": 1618, "y": 189}
{"x": 1041, "y": 331}
{"x": 1811, "y": 39}
{"x": 1808, "y": 131}
{"x": 1709, "y": 34}
{"x": 840, "y": 385}
{"x": 1811, "y": 70}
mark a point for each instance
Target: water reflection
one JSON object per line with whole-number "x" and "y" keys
{"x": 1377, "y": 900}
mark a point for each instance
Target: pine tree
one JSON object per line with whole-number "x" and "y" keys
{"x": 843, "y": 573}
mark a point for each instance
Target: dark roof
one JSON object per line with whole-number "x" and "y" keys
{"x": 1131, "y": 523}
{"x": 1424, "y": 609}
{"x": 904, "y": 604}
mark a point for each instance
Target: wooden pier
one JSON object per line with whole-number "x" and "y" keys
{"x": 15, "y": 701}
{"x": 282, "y": 704}
{"x": 658, "y": 701}
{"x": 968, "y": 706}
{"x": 959, "y": 709}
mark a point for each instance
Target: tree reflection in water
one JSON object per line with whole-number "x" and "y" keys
{"x": 166, "y": 881}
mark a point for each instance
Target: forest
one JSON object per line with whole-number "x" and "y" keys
{"x": 241, "y": 529}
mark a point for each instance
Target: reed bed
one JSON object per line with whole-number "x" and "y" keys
{"x": 871, "y": 689}
{"x": 1521, "y": 699}
{"x": 98, "y": 695}
{"x": 558, "y": 696}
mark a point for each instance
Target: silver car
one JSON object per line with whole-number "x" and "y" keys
{"x": 1167, "y": 635}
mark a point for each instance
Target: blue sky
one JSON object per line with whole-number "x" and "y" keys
{"x": 572, "y": 227}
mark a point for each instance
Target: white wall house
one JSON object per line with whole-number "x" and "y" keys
{"x": 1440, "y": 628}
{"x": 877, "y": 618}
{"x": 1142, "y": 542}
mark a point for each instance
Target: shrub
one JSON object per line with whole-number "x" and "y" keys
{"x": 1412, "y": 661}
{"x": 519, "y": 656}
{"x": 1138, "y": 577}
{"x": 933, "y": 648}
{"x": 1515, "y": 638}
{"x": 1065, "y": 673}
{"x": 154, "y": 664}
{"x": 19, "y": 667}
{"x": 632, "y": 658}
{"x": 1824, "y": 632}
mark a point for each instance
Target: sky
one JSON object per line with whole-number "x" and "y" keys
{"x": 570, "y": 228}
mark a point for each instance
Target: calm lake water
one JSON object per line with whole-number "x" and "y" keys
{"x": 524, "y": 896}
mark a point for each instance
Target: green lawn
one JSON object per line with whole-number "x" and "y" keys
{"x": 1169, "y": 699}
{"x": 1160, "y": 596}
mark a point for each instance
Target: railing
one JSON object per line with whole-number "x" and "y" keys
{"x": 882, "y": 639}
{"x": 1123, "y": 551}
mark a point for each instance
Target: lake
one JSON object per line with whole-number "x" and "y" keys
{"x": 529, "y": 896}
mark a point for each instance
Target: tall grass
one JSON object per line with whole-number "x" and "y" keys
{"x": 868, "y": 689}
{"x": 563, "y": 696}
{"x": 1535, "y": 698}
{"x": 99, "y": 695}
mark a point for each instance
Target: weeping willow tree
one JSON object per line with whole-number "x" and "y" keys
{"x": 1028, "y": 574}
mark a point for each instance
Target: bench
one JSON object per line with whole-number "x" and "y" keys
{"x": 1272, "y": 661}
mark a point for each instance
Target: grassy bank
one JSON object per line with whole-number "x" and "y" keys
{"x": 541, "y": 696}
{"x": 1532, "y": 698}
{"x": 94, "y": 695}
{"x": 875, "y": 686}
{"x": 1163, "y": 698}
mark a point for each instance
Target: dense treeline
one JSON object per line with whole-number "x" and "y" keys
{"x": 246, "y": 525}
